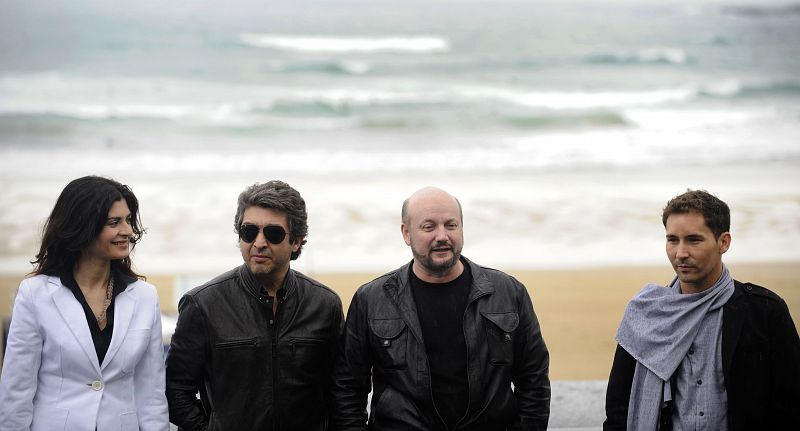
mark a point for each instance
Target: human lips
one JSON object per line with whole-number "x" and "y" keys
{"x": 121, "y": 243}
{"x": 260, "y": 258}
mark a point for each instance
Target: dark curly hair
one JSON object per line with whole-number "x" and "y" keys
{"x": 76, "y": 221}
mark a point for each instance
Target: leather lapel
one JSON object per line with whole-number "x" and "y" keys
{"x": 124, "y": 309}
{"x": 75, "y": 318}
{"x": 398, "y": 290}
{"x": 733, "y": 315}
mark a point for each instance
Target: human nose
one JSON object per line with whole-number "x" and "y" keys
{"x": 681, "y": 251}
{"x": 125, "y": 228}
{"x": 261, "y": 240}
{"x": 441, "y": 234}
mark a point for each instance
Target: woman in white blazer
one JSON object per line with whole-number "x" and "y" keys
{"x": 84, "y": 349}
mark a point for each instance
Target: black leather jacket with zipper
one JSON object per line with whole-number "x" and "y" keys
{"x": 382, "y": 348}
{"x": 253, "y": 370}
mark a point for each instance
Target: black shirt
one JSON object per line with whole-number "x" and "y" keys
{"x": 441, "y": 307}
{"x": 100, "y": 337}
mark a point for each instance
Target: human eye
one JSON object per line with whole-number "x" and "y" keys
{"x": 427, "y": 227}
{"x": 452, "y": 225}
{"x": 672, "y": 239}
{"x": 113, "y": 221}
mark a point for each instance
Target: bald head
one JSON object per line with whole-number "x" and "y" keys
{"x": 432, "y": 227}
{"x": 428, "y": 195}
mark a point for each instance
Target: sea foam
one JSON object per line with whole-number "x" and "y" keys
{"x": 410, "y": 44}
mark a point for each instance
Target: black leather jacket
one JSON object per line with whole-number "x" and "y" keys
{"x": 253, "y": 371}
{"x": 382, "y": 346}
{"x": 760, "y": 362}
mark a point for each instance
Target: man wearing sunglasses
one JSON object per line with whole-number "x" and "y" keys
{"x": 257, "y": 342}
{"x": 441, "y": 340}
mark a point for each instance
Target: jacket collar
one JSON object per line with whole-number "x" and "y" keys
{"x": 73, "y": 315}
{"x": 124, "y": 310}
{"x": 399, "y": 284}
{"x": 398, "y": 290}
{"x": 733, "y": 317}
{"x": 254, "y": 287}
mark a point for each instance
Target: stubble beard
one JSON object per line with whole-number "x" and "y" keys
{"x": 440, "y": 268}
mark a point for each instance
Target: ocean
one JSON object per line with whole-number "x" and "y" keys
{"x": 563, "y": 127}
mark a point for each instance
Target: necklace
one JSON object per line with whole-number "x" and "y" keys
{"x": 101, "y": 318}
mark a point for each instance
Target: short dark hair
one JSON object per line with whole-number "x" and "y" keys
{"x": 76, "y": 221}
{"x": 278, "y": 196}
{"x": 715, "y": 212}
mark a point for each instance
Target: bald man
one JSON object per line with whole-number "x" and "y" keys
{"x": 443, "y": 343}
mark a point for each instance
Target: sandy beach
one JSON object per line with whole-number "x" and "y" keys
{"x": 578, "y": 309}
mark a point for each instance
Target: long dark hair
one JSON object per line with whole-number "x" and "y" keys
{"x": 77, "y": 219}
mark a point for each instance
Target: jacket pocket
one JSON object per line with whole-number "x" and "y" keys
{"x": 390, "y": 342}
{"x": 500, "y": 329}
{"x": 307, "y": 356}
{"x": 49, "y": 418}
{"x": 302, "y": 346}
{"x": 237, "y": 343}
{"x": 238, "y": 363}
{"x": 129, "y": 422}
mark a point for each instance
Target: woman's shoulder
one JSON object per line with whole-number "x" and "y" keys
{"x": 38, "y": 283}
{"x": 143, "y": 289}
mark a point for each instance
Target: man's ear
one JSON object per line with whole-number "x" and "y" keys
{"x": 296, "y": 244}
{"x": 724, "y": 242}
{"x": 404, "y": 231}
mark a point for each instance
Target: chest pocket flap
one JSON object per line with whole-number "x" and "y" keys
{"x": 389, "y": 341}
{"x": 499, "y": 336}
{"x": 387, "y": 328}
{"x": 507, "y": 322}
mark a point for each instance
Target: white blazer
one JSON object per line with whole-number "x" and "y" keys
{"x": 51, "y": 378}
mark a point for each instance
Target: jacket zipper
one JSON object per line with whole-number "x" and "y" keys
{"x": 466, "y": 341}
{"x": 273, "y": 323}
{"x": 237, "y": 343}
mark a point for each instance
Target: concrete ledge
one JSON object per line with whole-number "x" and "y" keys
{"x": 577, "y": 405}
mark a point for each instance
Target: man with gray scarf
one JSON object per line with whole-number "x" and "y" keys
{"x": 705, "y": 352}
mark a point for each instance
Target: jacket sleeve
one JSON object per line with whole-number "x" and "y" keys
{"x": 352, "y": 374}
{"x": 149, "y": 378}
{"x": 618, "y": 392}
{"x": 785, "y": 370}
{"x": 530, "y": 373}
{"x": 185, "y": 365}
{"x": 23, "y": 357}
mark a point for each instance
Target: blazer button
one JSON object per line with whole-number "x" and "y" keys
{"x": 97, "y": 385}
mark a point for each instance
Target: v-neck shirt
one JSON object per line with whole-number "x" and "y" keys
{"x": 101, "y": 338}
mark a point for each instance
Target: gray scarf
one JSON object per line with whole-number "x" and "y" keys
{"x": 657, "y": 329}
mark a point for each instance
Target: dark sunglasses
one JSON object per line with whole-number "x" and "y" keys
{"x": 273, "y": 233}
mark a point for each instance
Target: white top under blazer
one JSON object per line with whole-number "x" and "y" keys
{"x": 51, "y": 377}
